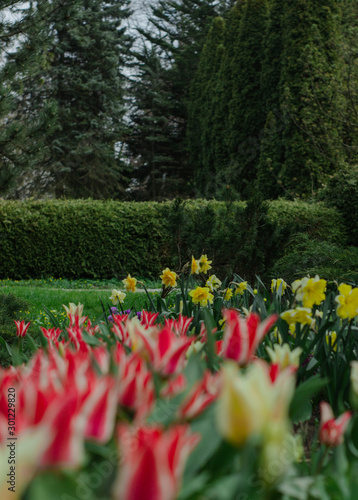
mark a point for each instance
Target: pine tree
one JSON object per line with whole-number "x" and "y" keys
{"x": 80, "y": 79}
{"x": 21, "y": 140}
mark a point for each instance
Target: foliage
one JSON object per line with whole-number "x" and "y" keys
{"x": 341, "y": 192}
{"x": 10, "y": 307}
{"x": 165, "y": 64}
{"x": 94, "y": 239}
{"x": 73, "y": 94}
{"x": 281, "y": 95}
{"x": 305, "y": 255}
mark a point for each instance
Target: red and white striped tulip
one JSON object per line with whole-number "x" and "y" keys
{"x": 21, "y": 328}
{"x": 201, "y": 396}
{"x": 242, "y": 335}
{"x": 165, "y": 350}
{"x": 153, "y": 461}
{"x": 332, "y": 430}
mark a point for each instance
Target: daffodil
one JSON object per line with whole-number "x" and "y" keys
{"x": 169, "y": 277}
{"x": 240, "y": 288}
{"x": 195, "y": 266}
{"x": 117, "y": 296}
{"x": 276, "y": 284}
{"x": 204, "y": 263}
{"x": 310, "y": 291}
{"x": 130, "y": 283}
{"x": 348, "y": 301}
{"x": 228, "y": 294}
{"x": 213, "y": 283}
{"x": 302, "y": 315}
{"x": 201, "y": 295}
{"x": 331, "y": 338}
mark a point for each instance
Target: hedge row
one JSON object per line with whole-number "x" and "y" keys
{"x": 95, "y": 239}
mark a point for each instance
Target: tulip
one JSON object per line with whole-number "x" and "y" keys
{"x": 153, "y": 461}
{"x": 134, "y": 383}
{"x": 201, "y": 396}
{"x": 252, "y": 400}
{"x": 180, "y": 326}
{"x": 165, "y": 350}
{"x": 21, "y": 328}
{"x": 243, "y": 335}
{"x": 332, "y": 430}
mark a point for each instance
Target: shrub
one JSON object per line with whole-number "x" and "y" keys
{"x": 307, "y": 256}
{"x": 105, "y": 239}
{"x": 341, "y": 192}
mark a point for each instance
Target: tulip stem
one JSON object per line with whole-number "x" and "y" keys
{"x": 321, "y": 460}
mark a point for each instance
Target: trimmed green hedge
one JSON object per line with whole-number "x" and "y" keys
{"x": 95, "y": 239}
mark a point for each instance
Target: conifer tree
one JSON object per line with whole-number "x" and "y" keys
{"x": 21, "y": 144}
{"x": 79, "y": 79}
{"x": 176, "y": 33}
{"x": 203, "y": 102}
{"x": 246, "y": 114}
{"x": 311, "y": 136}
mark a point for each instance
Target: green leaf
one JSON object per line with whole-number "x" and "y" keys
{"x": 52, "y": 318}
{"x": 6, "y": 345}
{"x": 304, "y": 392}
{"x": 208, "y": 445}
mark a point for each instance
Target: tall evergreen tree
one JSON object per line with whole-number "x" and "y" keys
{"x": 246, "y": 114}
{"x": 21, "y": 144}
{"x": 84, "y": 47}
{"x": 309, "y": 99}
{"x": 176, "y": 33}
{"x": 203, "y": 102}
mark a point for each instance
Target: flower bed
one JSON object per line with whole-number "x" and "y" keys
{"x": 215, "y": 390}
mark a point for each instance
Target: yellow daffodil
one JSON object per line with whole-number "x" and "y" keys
{"x": 213, "y": 283}
{"x": 331, "y": 338}
{"x": 283, "y": 356}
{"x": 348, "y": 301}
{"x": 117, "y": 296}
{"x": 276, "y": 284}
{"x": 310, "y": 291}
{"x": 195, "y": 266}
{"x": 277, "y": 336}
{"x": 169, "y": 277}
{"x": 201, "y": 295}
{"x": 130, "y": 283}
{"x": 302, "y": 315}
{"x": 228, "y": 294}
{"x": 240, "y": 288}
{"x": 204, "y": 263}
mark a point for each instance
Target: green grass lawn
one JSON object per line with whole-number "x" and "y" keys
{"x": 38, "y": 297}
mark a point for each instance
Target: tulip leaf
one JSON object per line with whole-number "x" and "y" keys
{"x": 31, "y": 343}
{"x": 297, "y": 488}
{"x": 207, "y": 446}
{"x": 58, "y": 486}
{"x": 196, "y": 485}
{"x": 90, "y": 339}
{"x": 299, "y": 410}
{"x": 210, "y": 325}
{"x": 6, "y": 345}
{"x": 52, "y": 318}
